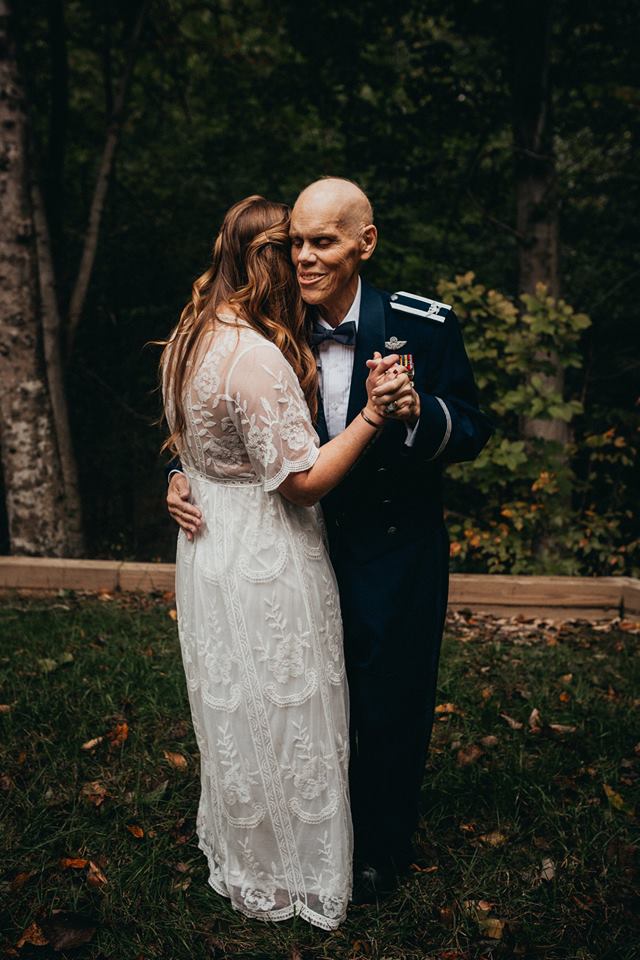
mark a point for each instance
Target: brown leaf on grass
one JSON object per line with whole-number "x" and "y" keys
{"x": 181, "y": 884}
{"x": 95, "y": 792}
{"x": 514, "y": 724}
{"x": 486, "y": 693}
{"x": 168, "y": 596}
{"x": 491, "y": 927}
{"x": 47, "y": 664}
{"x": 95, "y": 876}
{"x": 173, "y": 614}
{"x": 6, "y": 707}
{"x": 118, "y": 735}
{"x": 418, "y": 869}
{"x": 564, "y": 697}
{"x": 135, "y": 830}
{"x": 493, "y": 839}
{"x": 616, "y": 800}
{"x": 467, "y": 827}
{"x": 20, "y": 879}
{"x": 91, "y": 744}
{"x": 446, "y": 916}
{"x": 490, "y": 740}
{"x": 176, "y": 760}
{"x": 75, "y": 863}
{"x": 295, "y": 953}
{"x": 33, "y": 935}
{"x": 566, "y": 678}
{"x": 561, "y": 728}
{"x": 6, "y": 783}
{"x": 66, "y": 930}
{"x": 449, "y": 708}
{"x": 535, "y": 721}
{"x": 183, "y": 867}
{"x": 548, "y": 871}
{"x": 468, "y": 755}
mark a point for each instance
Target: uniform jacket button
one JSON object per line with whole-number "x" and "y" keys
{"x": 392, "y": 530}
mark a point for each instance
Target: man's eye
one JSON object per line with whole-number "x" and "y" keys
{"x": 324, "y": 242}
{"x": 296, "y": 243}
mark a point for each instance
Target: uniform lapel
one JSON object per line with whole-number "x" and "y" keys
{"x": 371, "y": 334}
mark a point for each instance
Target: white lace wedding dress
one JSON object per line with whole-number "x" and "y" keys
{"x": 261, "y": 641}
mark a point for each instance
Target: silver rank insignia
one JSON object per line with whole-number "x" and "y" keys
{"x": 420, "y": 306}
{"x": 394, "y": 344}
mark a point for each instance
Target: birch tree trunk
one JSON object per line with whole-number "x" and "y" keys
{"x": 30, "y": 461}
{"x": 51, "y": 334}
{"x": 535, "y": 173}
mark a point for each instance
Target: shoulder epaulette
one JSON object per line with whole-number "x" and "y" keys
{"x": 421, "y": 306}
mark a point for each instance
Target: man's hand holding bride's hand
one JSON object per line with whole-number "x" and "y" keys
{"x": 183, "y": 512}
{"x": 395, "y": 397}
{"x": 379, "y": 367}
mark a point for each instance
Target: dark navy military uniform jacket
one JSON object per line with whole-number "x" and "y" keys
{"x": 390, "y": 551}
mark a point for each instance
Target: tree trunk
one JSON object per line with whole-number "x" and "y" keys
{"x": 51, "y": 332}
{"x": 30, "y": 459}
{"x": 535, "y": 173}
{"x": 90, "y": 246}
{"x": 53, "y": 179}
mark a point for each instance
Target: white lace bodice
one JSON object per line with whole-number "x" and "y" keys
{"x": 247, "y": 417}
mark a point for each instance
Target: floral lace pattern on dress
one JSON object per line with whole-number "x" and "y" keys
{"x": 261, "y": 642}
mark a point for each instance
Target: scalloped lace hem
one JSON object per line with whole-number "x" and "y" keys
{"x": 298, "y": 908}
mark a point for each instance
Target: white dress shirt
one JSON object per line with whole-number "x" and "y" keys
{"x": 335, "y": 369}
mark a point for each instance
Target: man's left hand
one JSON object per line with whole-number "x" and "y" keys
{"x": 396, "y": 398}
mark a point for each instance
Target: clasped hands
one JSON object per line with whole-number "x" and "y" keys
{"x": 394, "y": 396}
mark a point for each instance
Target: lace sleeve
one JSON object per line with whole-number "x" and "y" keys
{"x": 269, "y": 411}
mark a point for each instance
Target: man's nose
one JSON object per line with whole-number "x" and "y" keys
{"x": 306, "y": 253}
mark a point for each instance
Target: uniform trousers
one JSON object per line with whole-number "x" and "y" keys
{"x": 393, "y": 607}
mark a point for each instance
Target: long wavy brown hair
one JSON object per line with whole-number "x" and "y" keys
{"x": 251, "y": 270}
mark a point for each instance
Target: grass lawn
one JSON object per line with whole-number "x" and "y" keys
{"x": 528, "y": 844}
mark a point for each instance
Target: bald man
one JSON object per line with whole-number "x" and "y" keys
{"x": 388, "y": 541}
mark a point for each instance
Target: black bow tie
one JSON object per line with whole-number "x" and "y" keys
{"x": 344, "y": 333}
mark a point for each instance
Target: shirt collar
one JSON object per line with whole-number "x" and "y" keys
{"x": 353, "y": 313}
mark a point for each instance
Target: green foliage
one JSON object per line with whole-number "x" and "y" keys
{"x": 536, "y": 507}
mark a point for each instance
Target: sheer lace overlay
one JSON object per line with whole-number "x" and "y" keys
{"x": 261, "y": 641}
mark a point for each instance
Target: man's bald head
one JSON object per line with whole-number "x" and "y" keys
{"x": 331, "y": 233}
{"x": 339, "y": 200}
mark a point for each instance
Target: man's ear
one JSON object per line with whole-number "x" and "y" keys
{"x": 368, "y": 241}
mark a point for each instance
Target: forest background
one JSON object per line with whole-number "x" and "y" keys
{"x": 498, "y": 143}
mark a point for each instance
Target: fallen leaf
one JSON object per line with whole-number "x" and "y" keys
{"x": 566, "y": 678}
{"x": 95, "y": 792}
{"x": 6, "y": 707}
{"x": 182, "y": 867}
{"x": 548, "y": 871}
{"x": 168, "y": 596}
{"x": 616, "y": 800}
{"x": 118, "y": 735}
{"x": 47, "y": 664}
{"x": 490, "y": 741}
{"x": 468, "y": 755}
{"x": 90, "y": 744}
{"x": 514, "y": 724}
{"x": 418, "y": 869}
{"x": 486, "y": 693}
{"x": 449, "y": 708}
{"x": 181, "y": 884}
{"x": 493, "y": 839}
{"x": 562, "y": 728}
{"x": 564, "y": 697}
{"x": 467, "y": 827}
{"x": 535, "y": 721}
{"x": 135, "y": 830}
{"x": 176, "y": 760}
{"x": 491, "y": 927}
{"x": 95, "y": 876}
{"x": 34, "y": 935}
{"x": 173, "y": 614}
{"x": 20, "y": 879}
{"x": 75, "y": 863}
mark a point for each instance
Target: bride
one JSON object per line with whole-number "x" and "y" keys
{"x": 258, "y": 614}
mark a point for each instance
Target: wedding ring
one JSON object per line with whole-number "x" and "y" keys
{"x": 391, "y": 407}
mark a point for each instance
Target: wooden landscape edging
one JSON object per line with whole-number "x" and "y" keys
{"x": 559, "y": 598}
